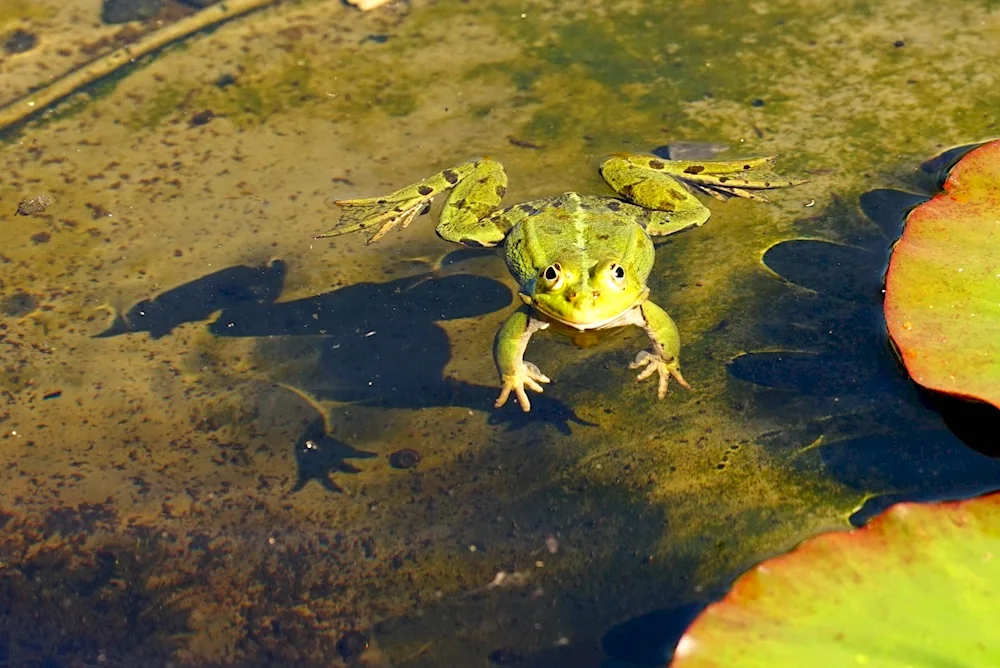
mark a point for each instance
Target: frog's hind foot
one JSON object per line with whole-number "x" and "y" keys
{"x": 385, "y": 213}
{"x": 724, "y": 194}
{"x": 736, "y": 178}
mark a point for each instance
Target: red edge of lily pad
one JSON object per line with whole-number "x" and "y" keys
{"x": 739, "y": 620}
{"x": 942, "y": 301}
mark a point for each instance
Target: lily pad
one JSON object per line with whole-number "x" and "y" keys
{"x": 942, "y": 301}
{"x": 918, "y": 586}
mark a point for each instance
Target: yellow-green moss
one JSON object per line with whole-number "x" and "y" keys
{"x": 13, "y": 12}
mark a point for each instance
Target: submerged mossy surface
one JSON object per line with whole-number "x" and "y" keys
{"x": 231, "y": 337}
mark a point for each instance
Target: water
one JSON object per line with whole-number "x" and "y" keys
{"x": 201, "y": 401}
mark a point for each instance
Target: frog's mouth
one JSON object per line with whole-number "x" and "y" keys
{"x": 583, "y": 326}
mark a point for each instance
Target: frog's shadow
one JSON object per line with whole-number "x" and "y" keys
{"x": 374, "y": 344}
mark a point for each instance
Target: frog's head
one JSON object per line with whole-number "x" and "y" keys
{"x": 585, "y": 297}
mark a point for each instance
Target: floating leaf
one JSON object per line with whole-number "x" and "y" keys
{"x": 918, "y": 586}
{"x": 942, "y": 301}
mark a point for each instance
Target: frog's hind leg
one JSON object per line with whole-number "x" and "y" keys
{"x": 673, "y": 207}
{"x": 478, "y": 187}
{"x": 469, "y": 214}
{"x": 666, "y": 185}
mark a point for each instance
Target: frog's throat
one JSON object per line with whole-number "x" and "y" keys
{"x": 600, "y": 324}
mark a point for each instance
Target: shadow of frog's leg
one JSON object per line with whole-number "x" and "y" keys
{"x": 478, "y": 187}
{"x": 664, "y": 358}
{"x": 672, "y": 206}
{"x": 508, "y": 353}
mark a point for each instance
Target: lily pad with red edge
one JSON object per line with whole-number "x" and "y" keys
{"x": 942, "y": 295}
{"x": 918, "y": 586}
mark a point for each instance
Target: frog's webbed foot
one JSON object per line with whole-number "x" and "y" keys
{"x": 385, "y": 213}
{"x": 733, "y": 178}
{"x": 654, "y": 363}
{"x": 525, "y": 373}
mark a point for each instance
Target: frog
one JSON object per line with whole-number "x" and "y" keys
{"x": 581, "y": 262}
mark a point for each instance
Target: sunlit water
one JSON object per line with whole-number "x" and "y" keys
{"x": 226, "y": 443}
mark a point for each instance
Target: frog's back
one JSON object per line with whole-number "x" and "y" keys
{"x": 581, "y": 230}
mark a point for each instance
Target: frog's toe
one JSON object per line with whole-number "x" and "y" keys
{"x": 532, "y": 374}
{"x": 653, "y": 363}
{"x": 383, "y": 214}
{"x": 528, "y": 374}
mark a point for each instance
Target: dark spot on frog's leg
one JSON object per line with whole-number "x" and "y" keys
{"x": 603, "y": 237}
{"x": 656, "y": 164}
{"x": 615, "y": 205}
{"x": 627, "y": 192}
{"x": 460, "y": 204}
{"x": 501, "y": 191}
{"x": 746, "y": 166}
{"x": 767, "y": 184}
{"x": 450, "y": 176}
{"x": 528, "y": 209}
{"x": 381, "y": 201}
{"x": 723, "y": 179}
{"x": 425, "y": 190}
{"x": 694, "y": 169}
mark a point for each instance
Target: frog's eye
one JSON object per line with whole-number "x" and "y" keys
{"x": 617, "y": 274}
{"x": 553, "y": 275}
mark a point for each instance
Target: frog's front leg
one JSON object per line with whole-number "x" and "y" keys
{"x": 664, "y": 359}
{"x": 508, "y": 353}
{"x": 477, "y": 188}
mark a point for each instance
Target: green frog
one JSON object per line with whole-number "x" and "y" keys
{"x": 580, "y": 261}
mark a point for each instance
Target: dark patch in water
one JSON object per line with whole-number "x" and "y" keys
{"x": 229, "y": 288}
{"x": 830, "y": 375}
{"x": 318, "y": 455}
{"x": 649, "y": 640}
{"x": 18, "y": 304}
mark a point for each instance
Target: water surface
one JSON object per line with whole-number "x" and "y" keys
{"x": 200, "y": 401}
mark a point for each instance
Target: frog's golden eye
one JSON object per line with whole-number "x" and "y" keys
{"x": 617, "y": 274}
{"x": 553, "y": 275}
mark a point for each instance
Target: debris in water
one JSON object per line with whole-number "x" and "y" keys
{"x": 20, "y": 41}
{"x": 404, "y": 459}
{"x": 33, "y": 205}
{"x": 365, "y": 5}
{"x": 505, "y": 656}
{"x": 351, "y": 645}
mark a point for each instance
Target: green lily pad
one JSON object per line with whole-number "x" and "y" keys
{"x": 942, "y": 294}
{"x": 918, "y": 586}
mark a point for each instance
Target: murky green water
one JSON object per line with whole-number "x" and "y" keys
{"x": 200, "y": 403}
